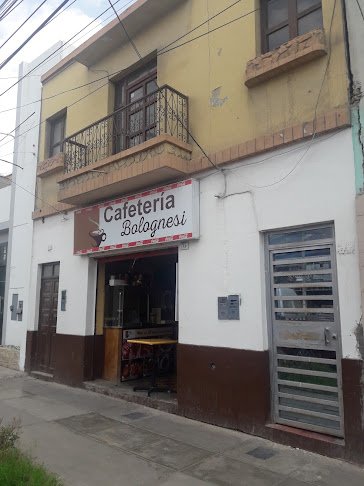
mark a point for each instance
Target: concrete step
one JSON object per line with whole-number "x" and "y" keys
{"x": 40, "y": 375}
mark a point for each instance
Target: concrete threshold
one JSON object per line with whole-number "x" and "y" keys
{"x": 165, "y": 402}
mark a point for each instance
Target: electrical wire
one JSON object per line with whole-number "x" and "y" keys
{"x": 208, "y": 32}
{"x": 200, "y": 25}
{"x": 9, "y": 9}
{"x": 314, "y": 120}
{"x": 7, "y": 134}
{"x": 51, "y": 56}
{"x": 34, "y": 195}
{"x": 155, "y": 82}
{"x": 63, "y": 92}
{"x": 25, "y": 21}
{"x": 12, "y": 163}
{"x": 59, "y": 13}
{"x": 361, "y": 10}
{"x": 184, "y": 35}
{"x": 37, "y": 30}
{"x": 68, "y": 106}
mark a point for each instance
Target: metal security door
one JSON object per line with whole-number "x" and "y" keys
{"x": 306, "y": 354}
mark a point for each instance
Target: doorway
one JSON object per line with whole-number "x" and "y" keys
{"x": 306, "y": 343}
{"x": 140, "y": 301}
{"x": 3, "y": 253}
{"x": 47, "y": 317}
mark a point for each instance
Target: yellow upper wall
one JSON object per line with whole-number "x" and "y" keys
{"x": 196, "y": 69}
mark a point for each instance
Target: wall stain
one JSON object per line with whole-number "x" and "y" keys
{"x": 215, "y": 99}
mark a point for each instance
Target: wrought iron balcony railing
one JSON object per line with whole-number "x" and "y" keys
{"x": 162, "y": 111}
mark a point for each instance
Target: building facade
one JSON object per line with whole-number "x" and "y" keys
{"x": 5, "y": 190}
{"x": 21, "y": 199}
{"x": 200, "y": 185}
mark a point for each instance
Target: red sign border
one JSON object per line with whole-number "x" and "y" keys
{"x": 135, "y": 244}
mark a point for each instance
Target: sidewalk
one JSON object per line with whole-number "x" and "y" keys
{"x": 89, "y": 439}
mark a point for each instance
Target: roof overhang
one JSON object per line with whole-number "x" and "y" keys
{"x": 135, "y": 18}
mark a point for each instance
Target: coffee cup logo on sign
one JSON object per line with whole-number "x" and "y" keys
{"x": 98, "y": 235}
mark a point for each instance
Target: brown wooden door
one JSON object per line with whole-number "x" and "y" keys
{"x": 47, "y": 317}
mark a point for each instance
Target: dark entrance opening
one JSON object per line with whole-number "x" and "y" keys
{"x": 140, "y": 302}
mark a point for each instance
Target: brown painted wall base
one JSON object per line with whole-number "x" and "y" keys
{"x": 76, "y": 358}
{"x": 222, "y": 386}
{"x": 231, "y": 388}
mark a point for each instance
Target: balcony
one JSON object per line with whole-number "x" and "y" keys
{"x": 140, "y": 145}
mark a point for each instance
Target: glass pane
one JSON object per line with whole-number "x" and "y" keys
{"x": 142, "y": 72}
{"x": 136, "y": 95}
{"x": 150, "y": 133}
{"x": 119, "y": 94}
{"x": 136, "y": 122}
{"x": 278, "y": 38}
{"x": 3, "y": 252}
{"x": 295, "y": 267}
{"x": 2, "y": 273}
{"x": 303, "y": 5}
{"x": 56, "y": 270}
{"x": 308, "y": 353}
{"x": 306, "y": 392}
{"x": 56, "y": 149}
{"x": 150, "y": 114}
{"x": 57, "y": 131}
{"x": 306, "y": 365}
{"x": 301, "y": 254}
{"x": 299, "y": 304}
{"x": 306, "y": 419}
{"x": 134, "y": 141}
{"x": 310, "y": 22}
{"x": 2, "y": 294}
{"x": 301, "y": 236}
{"x": 277, "y": 12}
{"x": 151, "y": 86}
{"x": 47, "y": 270}
{"x": 304, "y": 316}
{"x": 313, "y": 380}
{"x": 282, "y": 292}
{"x": 289, "y": 279}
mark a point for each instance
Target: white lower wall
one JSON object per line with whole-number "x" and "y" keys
{"x": 53, "y": 242}
{"x": 229, "y": 257}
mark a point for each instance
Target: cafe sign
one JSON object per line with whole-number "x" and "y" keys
{"x": 162, "y": 215}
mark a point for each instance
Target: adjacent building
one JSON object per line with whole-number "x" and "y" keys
{"x": 20, "y": 200}
{"x": 199, "y": 185}
{"x": 5, "y": 190}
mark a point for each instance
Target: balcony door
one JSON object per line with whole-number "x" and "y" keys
{"x": 136, "y": 107}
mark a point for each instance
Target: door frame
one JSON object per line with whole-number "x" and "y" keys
{"x": 268, "y": 297}
{"x": 37, "y": 354}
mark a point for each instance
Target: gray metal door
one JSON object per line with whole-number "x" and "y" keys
{"x": 306, "y": 349}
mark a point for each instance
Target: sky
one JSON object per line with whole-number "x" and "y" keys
{"x": 66, "y": 25}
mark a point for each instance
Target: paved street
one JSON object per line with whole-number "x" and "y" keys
{"x": 88, "y": 439}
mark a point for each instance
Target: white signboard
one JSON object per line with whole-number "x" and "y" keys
{"x": 161, "y": 215}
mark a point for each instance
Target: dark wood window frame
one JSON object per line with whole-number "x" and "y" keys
{"x": 53, "y": 122}
{"x": 123, "y": 90}
{"x": 291, "y": 22}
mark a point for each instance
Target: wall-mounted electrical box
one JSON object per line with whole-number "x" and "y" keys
{"x": 63, "y": 300}
{"x": 228, "y": 308}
